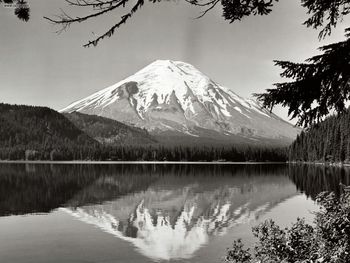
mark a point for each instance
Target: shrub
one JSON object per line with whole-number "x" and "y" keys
{"x": 328, "y": 240}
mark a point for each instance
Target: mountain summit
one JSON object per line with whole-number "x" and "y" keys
{"x": 173, "y": 97}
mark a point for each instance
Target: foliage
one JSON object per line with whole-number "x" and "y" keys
{"x": 22, "y": 10}
{"x": 328, "y": 240}
{"x": 328, "y": 141}
{"x": 333, "y": 227}
{"x": 319, "y": 86}
{"x": 237, "y": 9}
{"x": 237, "y": 254}
{"x": 330, "y": 10}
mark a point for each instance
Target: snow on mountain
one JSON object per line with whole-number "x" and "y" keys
{"x": 161, "y": 240}
{"x": 175, "y": 96}
{"x": 173, "y": 225}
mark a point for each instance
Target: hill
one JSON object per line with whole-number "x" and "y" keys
{"x": 36, "y": 132}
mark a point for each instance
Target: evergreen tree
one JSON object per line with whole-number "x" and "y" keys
{"x": 319, "y": 86}
{"x": 21, "y": 10}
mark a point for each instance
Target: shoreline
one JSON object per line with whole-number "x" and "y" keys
{"x": 132, "y": 162}
{"x": 330, "y": 164}
{"x": 326, "y": 164}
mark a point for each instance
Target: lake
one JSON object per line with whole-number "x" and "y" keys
{"x": 148, "y": 212}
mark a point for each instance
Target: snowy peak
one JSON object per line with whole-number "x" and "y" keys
{"x": 176, "y": 96}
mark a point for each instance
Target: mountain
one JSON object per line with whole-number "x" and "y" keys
{"x": 36, "y": 129}
{"x": 108, "y": 131}
{"x": 173, "y": 98}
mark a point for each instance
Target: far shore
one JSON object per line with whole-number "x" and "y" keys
{"x": 131, "y": 162}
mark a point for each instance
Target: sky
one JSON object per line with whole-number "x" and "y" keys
{"x": 43, "y": 68}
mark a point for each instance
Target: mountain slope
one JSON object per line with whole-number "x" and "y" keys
{"x": 172, "y": 96}
{"x": 108, "y": 131}
{"x": 38, "y": 128}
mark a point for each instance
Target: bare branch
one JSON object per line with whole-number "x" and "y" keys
{"x": 123, "y": 20}
{"x": 213, "y": 4}
{"x": 68, "y": 20}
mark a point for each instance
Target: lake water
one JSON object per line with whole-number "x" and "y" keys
{"x": 150, "y": 212}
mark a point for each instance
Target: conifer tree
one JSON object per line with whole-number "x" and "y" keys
{"x": 21, "y": 8}
{"x": 320, "y": 85}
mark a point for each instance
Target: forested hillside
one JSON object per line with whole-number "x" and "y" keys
{"x": 327, "y": 141}
{"x": 39, "y": 133}
{"x": 108, "y": 131}
{"x": 36, "y": 132}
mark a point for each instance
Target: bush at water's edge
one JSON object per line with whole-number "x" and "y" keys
{"x": 328, "y": 240}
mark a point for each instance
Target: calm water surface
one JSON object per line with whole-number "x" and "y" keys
{"x": 148, "y": 213}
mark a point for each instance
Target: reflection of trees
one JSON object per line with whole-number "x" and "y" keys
{"x": 34, "y": 188}
{"x": 41, "y": 188}
{"x": 313, "y": 179}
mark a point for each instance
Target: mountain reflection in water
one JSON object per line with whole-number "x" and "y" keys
{"x": 165, "y": 211}
{"x": 170, "y": 221}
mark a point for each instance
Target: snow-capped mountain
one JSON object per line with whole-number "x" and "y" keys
{"x": 173, "y": 96}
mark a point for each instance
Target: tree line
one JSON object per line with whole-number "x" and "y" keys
{"x": 144, "y": 153}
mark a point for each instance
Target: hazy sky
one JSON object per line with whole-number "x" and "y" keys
{"x": 39, "y": 67}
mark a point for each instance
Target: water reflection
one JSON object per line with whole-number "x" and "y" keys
{"x": 313, "y": 179}
{"x": 165, "y": 211}
{"x": 172, "y": 221}
{"x": 40, "y": 188}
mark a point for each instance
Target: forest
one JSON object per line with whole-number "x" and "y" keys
{"x": 37, "y": 127}
{"x": 327, "y": 141}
